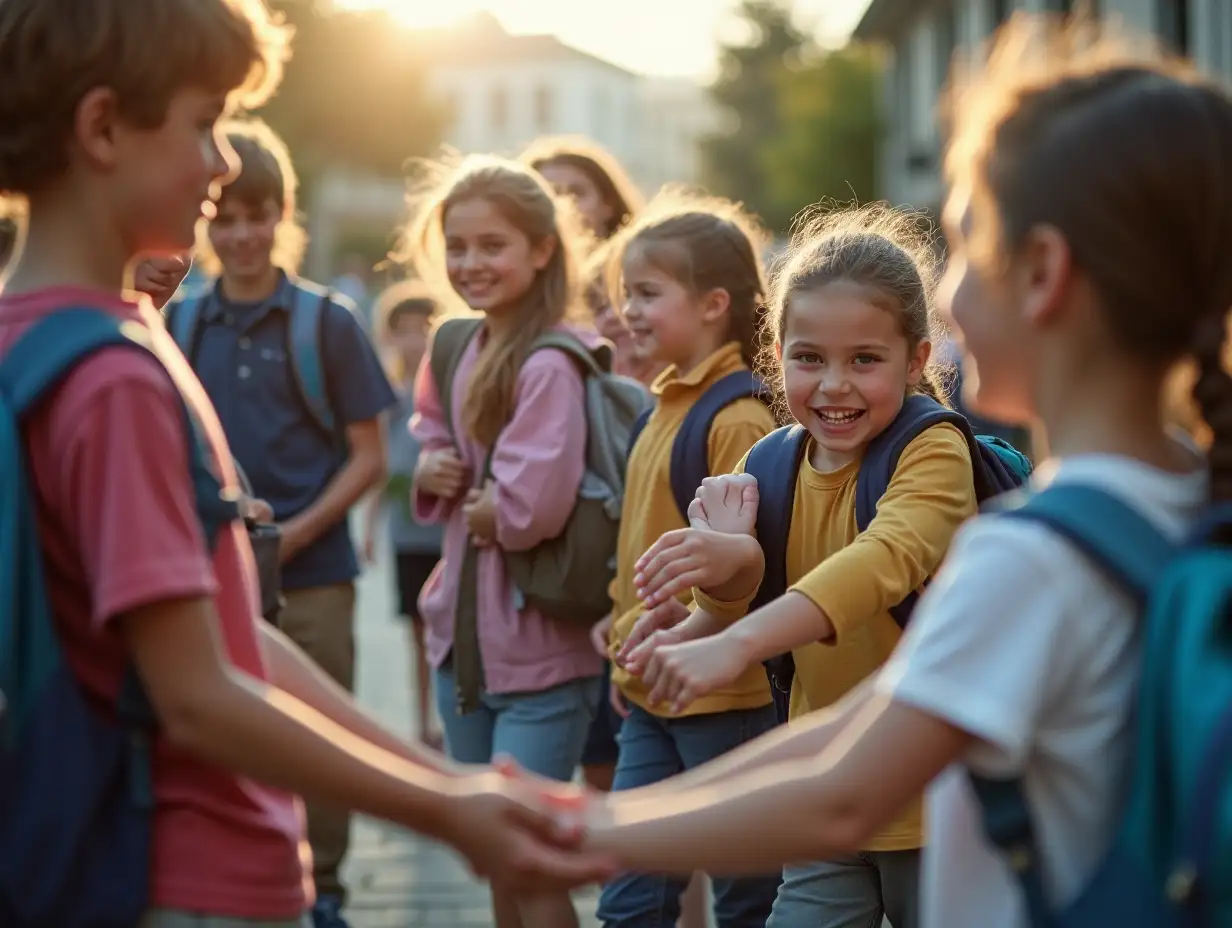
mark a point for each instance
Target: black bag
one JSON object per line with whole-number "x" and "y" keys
{"x": 266, "y": 539}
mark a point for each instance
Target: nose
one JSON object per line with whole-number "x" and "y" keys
{"x": 833, "y": 381}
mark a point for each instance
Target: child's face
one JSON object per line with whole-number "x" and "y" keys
{"x": 408, "y": 335}
{"x": 243, "y": 236}
{"x": 846, "y": 368}
{"x": 166, "y": 177}
{"x": 996, "y": 354}
{"x": 667, "y": 322}
{"x": 570, "y": 182}
{"x": 491, "y": 264}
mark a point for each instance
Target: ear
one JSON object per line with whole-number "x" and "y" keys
{"x": 918, "y": 361}
{"x": 1041, "y": 274}
{"x": 541, "y": 253}
{"x": 778, "y": 352}
{"x": 95, "y": 126}
{"x": 715, "y": 304}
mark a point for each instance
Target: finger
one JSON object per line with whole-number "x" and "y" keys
{"x": 697, "y": 515}
{"x": 617, "y": 700}
{"x": 599, "y": 637}
{"x": 667, "y": 587}
{"x": 544, "y": 867}
{"x": 669, "y": 564}
{"x": 640, "y": 657}
{"x": 664, "y": 543}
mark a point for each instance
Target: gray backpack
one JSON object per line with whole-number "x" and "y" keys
{"x": 566, "y": 578}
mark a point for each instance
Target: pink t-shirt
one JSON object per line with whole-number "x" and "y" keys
{"x": 118, "y": 522}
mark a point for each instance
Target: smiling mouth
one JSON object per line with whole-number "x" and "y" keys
{"x": 839, "y": 416}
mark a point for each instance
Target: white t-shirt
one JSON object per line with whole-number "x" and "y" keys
{"x": 1023, "y": 643}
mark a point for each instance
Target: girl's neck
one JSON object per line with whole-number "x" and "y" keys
{"x": 501, "y": 325}
{"x": 691, "y": 360}
{"x": 1111, "y": 410}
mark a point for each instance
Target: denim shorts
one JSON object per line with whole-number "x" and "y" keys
{"x": 543, "y": 731}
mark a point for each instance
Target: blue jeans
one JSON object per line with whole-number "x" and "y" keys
{"x": 544, "y": 731}
{"x": 851, "y": 892}
{"x": 653, "y": 749}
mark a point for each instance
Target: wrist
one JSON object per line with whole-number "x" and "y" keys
{"x": 742, "y": 637}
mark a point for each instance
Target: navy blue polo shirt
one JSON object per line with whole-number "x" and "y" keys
{"x": 242, "y": 360}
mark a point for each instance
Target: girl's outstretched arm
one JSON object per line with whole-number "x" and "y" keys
{"x": 801, "y": 810}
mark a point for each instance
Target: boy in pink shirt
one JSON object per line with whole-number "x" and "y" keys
{"x": 108, "y": 134}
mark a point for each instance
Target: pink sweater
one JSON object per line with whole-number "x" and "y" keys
{"x": 537, "y": 466}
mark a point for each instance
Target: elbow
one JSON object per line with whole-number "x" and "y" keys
{"x": 373, "y": 469}
{"x": 843, "y": 823}
{"x": 186, "y": 721}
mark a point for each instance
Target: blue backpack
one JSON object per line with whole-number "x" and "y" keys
{"x": 184, "y": 318}
{"x": 691, "y": 447}
{"x": 76, "y": 791}
{"x": 996, "y": 467}
{"x": 1170, "y": 860}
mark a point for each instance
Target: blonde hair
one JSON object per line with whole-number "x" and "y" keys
{"x": 52, "y": 52}
{"x": 523, "y": 199}
{"x": 266, "y": 173}
{"x": 706, "y": 243}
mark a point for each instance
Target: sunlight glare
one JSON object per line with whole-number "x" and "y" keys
{"x": 420, "y": 14}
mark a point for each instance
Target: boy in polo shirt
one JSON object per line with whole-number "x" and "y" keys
{"x": 108, "y": 134}
{"x": 310, "y": 477}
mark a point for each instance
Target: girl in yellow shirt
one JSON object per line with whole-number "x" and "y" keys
{"x": 854, "y": 335}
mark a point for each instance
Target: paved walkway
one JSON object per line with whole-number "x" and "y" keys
{"x": 397, "y": 879}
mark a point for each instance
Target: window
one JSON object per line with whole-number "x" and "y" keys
{"x": 543, "y": 109}
{"x": 1174, "y": 24}
{"x": 498, "y": 109}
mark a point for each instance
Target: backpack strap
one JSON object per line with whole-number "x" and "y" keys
{"x": 691, "y": 447}
{"x": 449, "y": 342}
{"x": 183, "y": 318}
{"x": 989, "y": 472}
{"x": 775, "y": 462}
{"x": 305, "y": 343}
{"x": 639, "y": 426}
{"x": 592, "y": 363}
{"x": 1129, "y": 550}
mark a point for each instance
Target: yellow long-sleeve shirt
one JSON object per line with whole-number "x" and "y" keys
{"x": 855, "y": 578}
{"x": 650, "y": 510}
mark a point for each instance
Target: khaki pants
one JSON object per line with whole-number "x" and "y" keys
{"x": 321, "y": 620}
{"x": 166, "y": 918}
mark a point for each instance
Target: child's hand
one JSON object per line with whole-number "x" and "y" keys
{"x": 616, "y": 699}
{"x": 659, "y": 619}
{"x": 479, "y": 510}
{"x": 679, "y": 674}
{"x": 690, "y": 557}
{"x": 256, "y": 510}
{"x": 440, "y": 473}
{"x": 726, "y": 504}
{"x": 160, "y": 277}
{"x": 601, "y": 634}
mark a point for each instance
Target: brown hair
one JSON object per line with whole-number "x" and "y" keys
{"x": 1129, "y": 156}
{"x": 888, "y": 253}
{"x": 707, "y": 243}
{"x": 522, "y": 197}
{"x": 266, "y": 173}
{"x": 54, "y": 51}
{"x": 396, "y": 302}
{"x": 603, "y": 170}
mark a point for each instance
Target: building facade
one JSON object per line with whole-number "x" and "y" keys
{"x": 923, "y": 36}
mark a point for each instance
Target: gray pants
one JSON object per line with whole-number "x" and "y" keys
{"x": 851, "y": 892}
{"x": 166, "y": 918}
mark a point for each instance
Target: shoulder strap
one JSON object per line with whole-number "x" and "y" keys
{"x": 304, "y": 339}
{"x": 589, "y": 362}
{"x": 639, "y": 426}
{"x": 1113, "y": 535}
{"x": 775, "y": 462}
{"x": 691, "y": 447}
{"x": 449, "y": 341}
{"x": 183, "y": 318}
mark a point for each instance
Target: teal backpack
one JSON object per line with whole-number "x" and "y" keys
{"x": 1170, "y": 862}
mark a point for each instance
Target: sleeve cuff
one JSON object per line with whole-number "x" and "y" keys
{"x": 725, "y": 612}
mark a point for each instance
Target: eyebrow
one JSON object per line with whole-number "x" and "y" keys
{"x": 868, "y": 346}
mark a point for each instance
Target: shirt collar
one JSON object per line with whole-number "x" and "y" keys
{"x": 281, "y": 299}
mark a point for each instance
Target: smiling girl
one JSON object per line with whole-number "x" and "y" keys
{"x": 853, "y": 324}
{"x": 501, "y": 469}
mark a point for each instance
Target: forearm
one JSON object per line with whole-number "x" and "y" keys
{"x": 795, "y": 811}
{"x": 271, "y": 736}
{"x": 362, "y": 471}
{"x": 789, "y": 622}
{"x": 806, "y": 737}
{"x": 700, "y": 624}
{"x": 743, "y": 584}
{"x": 295, "y": 674}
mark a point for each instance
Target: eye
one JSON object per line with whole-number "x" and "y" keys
{"x": 866, "y": 359}
{"x": 809, "y": 357}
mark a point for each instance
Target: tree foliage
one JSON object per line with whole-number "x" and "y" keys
{"x": 354, "y": 94}
{"x": 801, "y": 121}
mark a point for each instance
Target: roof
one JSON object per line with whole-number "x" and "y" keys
{"x": 883, "y": 19}
{"x": 482, "y": 40}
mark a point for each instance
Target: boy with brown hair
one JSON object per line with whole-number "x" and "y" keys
{"x": 107, "y": 130}
{"x": 299, "y": 391}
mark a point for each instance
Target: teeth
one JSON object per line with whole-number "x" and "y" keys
{"x": 841, "y": 417}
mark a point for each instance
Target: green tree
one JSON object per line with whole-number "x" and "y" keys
{"x": 354, "y": 94}
{"x": 747, "y": 92}
{"x": 827, "y": 144}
